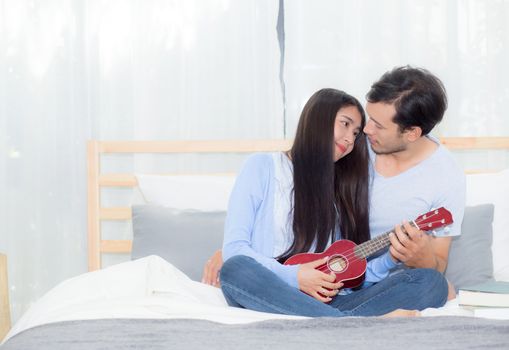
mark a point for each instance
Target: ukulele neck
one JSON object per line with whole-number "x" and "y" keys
{"x": 376, "y": 244}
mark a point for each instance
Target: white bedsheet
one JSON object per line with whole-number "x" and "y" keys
{"x": 147, "y": 288}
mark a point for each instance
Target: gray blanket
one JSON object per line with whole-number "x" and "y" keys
{"x": 331, "y": 333}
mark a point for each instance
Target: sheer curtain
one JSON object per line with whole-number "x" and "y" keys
{"x": 75, "y": 70}
{"x": 350, "y": 44}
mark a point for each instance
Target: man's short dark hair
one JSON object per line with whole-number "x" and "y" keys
{"x": 419, "y": 97}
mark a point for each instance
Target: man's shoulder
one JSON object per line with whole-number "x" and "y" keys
{"x": 442, "y": 151}
{"x": 443, "y": 160}
{"x": 447, "y": 162}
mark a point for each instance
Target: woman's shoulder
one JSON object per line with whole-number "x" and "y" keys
{"x": 260, "y": 160}
{"x": 259, "y": 166}
{"x": 256, "y": 173}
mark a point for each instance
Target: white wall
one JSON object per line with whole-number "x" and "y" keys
{"x": 74, "y": 70}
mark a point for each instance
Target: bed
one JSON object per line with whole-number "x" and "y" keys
{"x": 155, "y": 300}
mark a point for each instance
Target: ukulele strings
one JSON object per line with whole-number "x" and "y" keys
{"x": 350, "y": 253}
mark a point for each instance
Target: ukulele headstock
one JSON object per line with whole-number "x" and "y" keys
{"x": 434, "y": 219}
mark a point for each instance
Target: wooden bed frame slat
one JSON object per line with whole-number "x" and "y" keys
{"x": 5, "y": 311}
{"x": 94, "y": 203}
{"x": 117, "y": 180}
{"x": 96, "y": 180}
{"x": 219, "y": 146}
{"x": 116, "y": 246}
{"x": 119, "y": 213}
{"x": 476, "y": 142}
{"x": 129, "y": 180}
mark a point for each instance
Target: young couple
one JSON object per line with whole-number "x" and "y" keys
{"x": 346, "y": 177}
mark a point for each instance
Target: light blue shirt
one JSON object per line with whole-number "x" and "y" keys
{"x": 252, "y": 230}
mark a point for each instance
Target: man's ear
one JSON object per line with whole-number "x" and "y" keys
{"x": 413, "y": 133}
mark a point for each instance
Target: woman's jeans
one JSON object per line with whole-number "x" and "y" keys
{"x": 248, "y": 284}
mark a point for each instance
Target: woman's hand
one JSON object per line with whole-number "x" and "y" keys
{"x": 212, "y": 268}
{"x": 317, "y": 284}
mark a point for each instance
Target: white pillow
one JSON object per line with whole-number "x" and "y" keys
{"x": 198, "y": 192}
{"x": 494, "y": 188}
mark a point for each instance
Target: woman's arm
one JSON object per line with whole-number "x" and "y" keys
{"x": 378, "y": 268}
{"x": 246, "y": 233}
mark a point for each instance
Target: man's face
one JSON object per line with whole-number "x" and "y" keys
{"x": 383, "y": 134}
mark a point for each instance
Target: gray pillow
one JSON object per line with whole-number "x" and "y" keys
{"x": 184, "y": 238}
{"x": 470, "y": 256}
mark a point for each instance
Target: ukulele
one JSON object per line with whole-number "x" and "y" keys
{"x": 348, "y": 260}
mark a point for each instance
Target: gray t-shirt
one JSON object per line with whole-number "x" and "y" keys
{"x": 435, "y": 182}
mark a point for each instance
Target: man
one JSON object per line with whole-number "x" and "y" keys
{"x": 411, "y": 172}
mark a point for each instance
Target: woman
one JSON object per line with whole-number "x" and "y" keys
{"x": 300, "y": 201}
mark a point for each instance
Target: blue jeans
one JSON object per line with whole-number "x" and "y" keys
{"x": 248, "y": 284}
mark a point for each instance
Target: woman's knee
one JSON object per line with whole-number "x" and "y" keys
{"x": 235, "y": 265}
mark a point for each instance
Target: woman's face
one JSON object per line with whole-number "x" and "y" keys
{"x": 346, "y": 128}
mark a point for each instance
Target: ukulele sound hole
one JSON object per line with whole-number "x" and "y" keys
{"x": 337, "y": 263}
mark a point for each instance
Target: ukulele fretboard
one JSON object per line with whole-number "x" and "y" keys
{"x": 372, "y": 246}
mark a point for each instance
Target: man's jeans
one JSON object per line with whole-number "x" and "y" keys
{"x": 248, "y": 284}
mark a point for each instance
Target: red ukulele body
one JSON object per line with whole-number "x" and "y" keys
{"x": 348, "y": 260}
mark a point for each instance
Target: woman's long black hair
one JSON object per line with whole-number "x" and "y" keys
{"x": 320, "y": 185}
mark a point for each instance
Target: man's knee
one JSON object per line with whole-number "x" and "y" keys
{"x": 433, "y": 281}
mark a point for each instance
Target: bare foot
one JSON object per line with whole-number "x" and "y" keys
{"x": 402, "y": 313}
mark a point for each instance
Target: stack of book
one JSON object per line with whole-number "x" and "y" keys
{"x": 489, "y": 299}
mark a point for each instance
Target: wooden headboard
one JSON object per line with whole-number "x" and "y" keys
{"x": 97, "y": 180}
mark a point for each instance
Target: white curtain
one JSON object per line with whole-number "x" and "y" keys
{"x": 350, "y": 44}
{"x": 73, "y": 70}
{"x": 77, "y": 70}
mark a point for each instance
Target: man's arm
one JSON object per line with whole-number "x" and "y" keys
{"x": 212, "y": 268}
{"x": 418, "y": 249}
